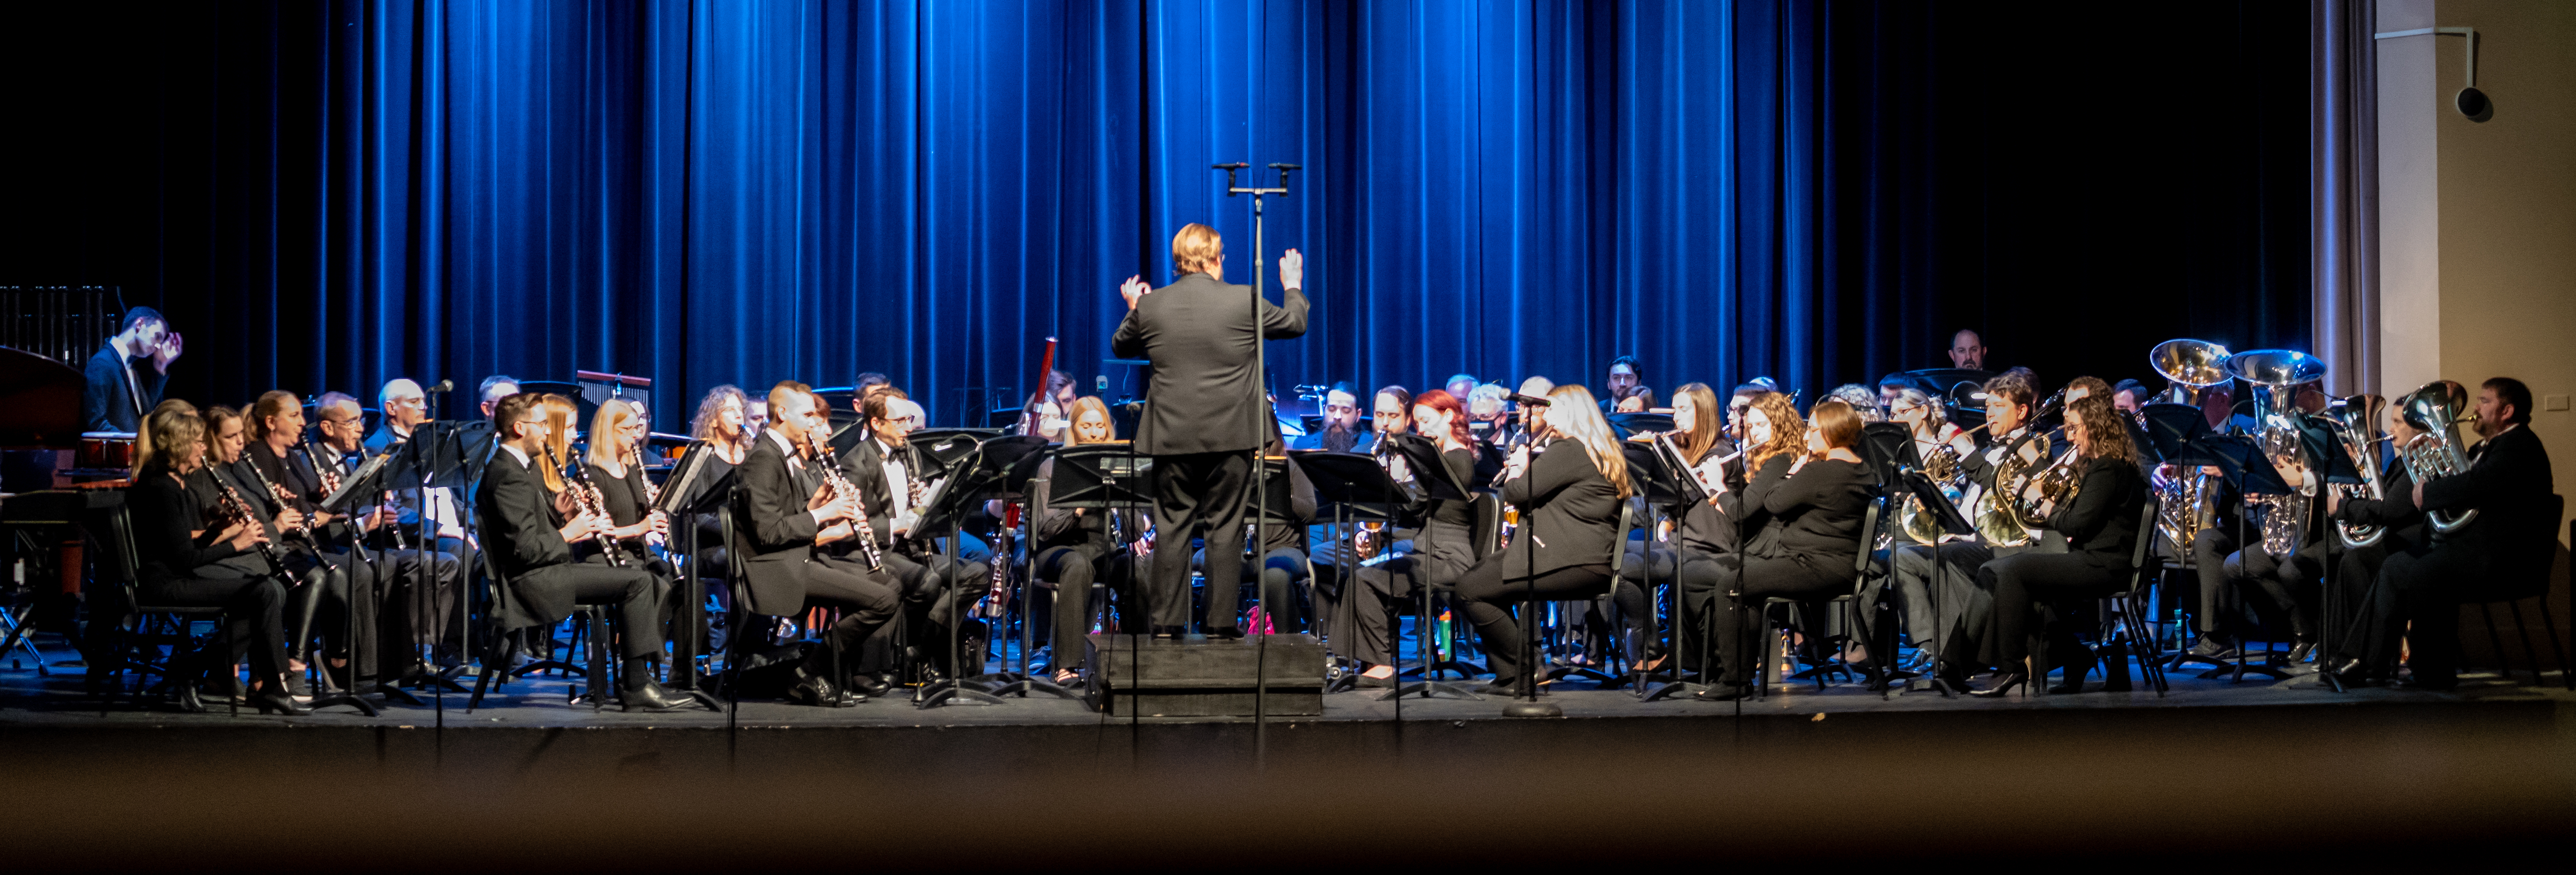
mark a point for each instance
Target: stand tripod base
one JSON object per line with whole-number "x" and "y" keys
{"x": 1430, "y": 690}
{"x": 952, "y": 693}
{"x": 1025, "y": 686}
{"x": 1527, "y": 708}
{"x": 329, "y": 700}
{"x": 1672, "y": 690}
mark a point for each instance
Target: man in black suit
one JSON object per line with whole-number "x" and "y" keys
{"x": 789, "y": 523}
{"x": 1204, "y": 414}
{"x": 936, "y": 589}
{"x": 2502, "y": 554}
{"x": 528, "y": 539}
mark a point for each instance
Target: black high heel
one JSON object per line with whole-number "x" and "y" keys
{"x": 270, "y": 698}
{"x": 2005, "y": 681}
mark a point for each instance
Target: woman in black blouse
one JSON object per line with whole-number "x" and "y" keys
{"x": 2101, "y": 529}
{"x": 616, "y": 460}
{"x": 1569, "y": 499}
{"x": 1805, "y": 508}
{"x": 1701, "y": 533}
{"x": 1442, "y": 549}
{"x": 173, "y": 542}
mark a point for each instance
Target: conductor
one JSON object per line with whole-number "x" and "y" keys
{"x": 1204, "y": 415}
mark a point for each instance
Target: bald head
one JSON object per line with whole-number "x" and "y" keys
{"x": 404, "y": 404}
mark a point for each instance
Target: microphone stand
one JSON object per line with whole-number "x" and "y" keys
{"x": 1261, "y": 426}
{"x": 1526, "y": 535}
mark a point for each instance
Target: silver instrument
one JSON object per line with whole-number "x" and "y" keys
{"x": 2192, "y": 370}
{"x": 2276, "y": 375}
{"x": 2436, "y": 410}
{"x": 2356, "y": 430}
{"x": 587, "y": 498}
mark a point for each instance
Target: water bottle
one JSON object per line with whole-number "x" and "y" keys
{"x": 1440, "y": 634}
{"x": 2179, "y": 632}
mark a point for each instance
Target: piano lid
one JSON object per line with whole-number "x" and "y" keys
{"x": 40, "y": 401}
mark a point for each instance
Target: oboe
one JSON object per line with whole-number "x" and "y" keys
{"x": 585, "y": 497}
{"x": 841, "y": 486}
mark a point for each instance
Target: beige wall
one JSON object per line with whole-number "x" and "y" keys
{"x": 2479, "y": 261}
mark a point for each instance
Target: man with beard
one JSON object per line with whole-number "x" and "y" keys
{"x": 1341, "y": 432}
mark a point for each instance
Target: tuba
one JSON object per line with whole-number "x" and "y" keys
{"x": 2192, "y": 370}
{"x": 2354, "y": 428}
{"x": 2435, "y": 409}
{"x": 2277, "y": 375}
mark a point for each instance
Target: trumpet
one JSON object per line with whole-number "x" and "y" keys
{"x": 2435, "y": 409}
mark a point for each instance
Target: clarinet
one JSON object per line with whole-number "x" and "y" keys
{"x": 400, "y": 543}
{"x": 587, "y": 499}
{"x": 284, "y": 499}
{"x": 841, "y": 486}
{"x": 241, "y": 511}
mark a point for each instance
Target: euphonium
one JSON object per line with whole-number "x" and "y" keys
{"x": 2192, "y": 369}
{"x": 2276, "y": 375}
{"x": 2352, "y": 423}
{"x": 2435, "y": 410}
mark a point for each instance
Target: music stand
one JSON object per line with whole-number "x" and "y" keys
{"x": 1000, "y": 470}
{"x": 1349, "y": 488}
{"x": 1659, "y": 475}
{"x": 1431, "y": 481}
{"x": 1918, "y": 484}
{"x": 1107, "y": 476}
{"x": 691, "y": 492}
{"x": 367, "y": 480}
{"x": 1628, "y": 424}
{"x": 976, "y": 470}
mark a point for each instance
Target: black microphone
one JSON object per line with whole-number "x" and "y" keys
{"x": 1234, "y": 166}
{"x": 444, "y": 386}
{"x": 1527, "y": 400}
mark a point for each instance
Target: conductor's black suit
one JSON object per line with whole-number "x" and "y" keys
{"x": 1204, "y": 413}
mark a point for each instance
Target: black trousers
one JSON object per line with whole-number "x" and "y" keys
{"x": 1351, "y": 605}
{"x": 2020, "y": 581}
{"x": 254, "y": 612}
{"x": 2291, "y": 587}
{"x": 2366, "y": 634}
{"x": 1487, "y": 586}
{"x": 1738, "y": 623}
{"x": 2218, "y": 598}
{"x": 1071, "y": 571}
{"x": 1936, "y": 591}
{"x": 630, "y": 589}
{"x": 2418, "y": 598}
{"x": 1198, "y": 495}
{"x": 868, "y": 601}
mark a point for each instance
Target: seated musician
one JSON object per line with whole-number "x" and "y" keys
{"x": 527, "y": 538}
{"x": 937, "y": 589}
{"x": 287, "y": 468}
{"x": 2101, "y": 530}
{"x": 618, "y": 431}
{"x": 1804, "y": 508}
{"x": 2282, "y": 563}
{"x": 1341, "y": 432}
{"x": 1569, "y": 497}
{"x": 2501, "y": 553}
{"x": 1863, "y": 402}
{"x": 1702, "y": 532}
{"x": 788, "y": 521}
{"x": 406, "y": 408}
{"x": 721, "y": 422}
{"x": 1941, "y": 579}
{"x": 1353, "y": 607}
{"x": 175, "y": 543}
{"x": 1074, "y": 547}
{"x": 2367, "y": 651}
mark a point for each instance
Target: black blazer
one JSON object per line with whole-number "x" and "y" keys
{"x": 2508, "y": 482}
{"x": 108, "y": 402}
{"x": 1199, "y": 334}
{"x": 864, "y": 464}
{"x": 1813, "y": 516}
{"x": 773, "y": 530}
{"x": 2102, "y": 522}
{"x": 520, "y": 531}
{"x": 2396, "y": 513}
{"x": 1567, "y": 506}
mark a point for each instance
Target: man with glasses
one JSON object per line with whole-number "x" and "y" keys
{"x": 406, "y": 408}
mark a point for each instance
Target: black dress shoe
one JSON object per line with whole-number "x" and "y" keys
{"x": 869, "y": 685}
{"x": 2004, "y": 684}
{"x": 818, "y": 691}
{"x": 186, "y": 698}
{"x": 652, "y": 697}
{"x": 2211, "y": 648}
{"x": 1225, "y": 633}
{"x": 1723, "y": 692}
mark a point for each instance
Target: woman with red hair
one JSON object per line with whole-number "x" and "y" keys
{"x": 1441, "y": 551}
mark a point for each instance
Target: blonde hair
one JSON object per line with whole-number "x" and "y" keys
{"x": 560, "y": 414}
{"x": 1788, "y": 432}
{"x": 172, "y": 425}
{"x": 606, "y": 443}
{"x": 1196, "y": 249}
{"x": 1572, "y": 413}
{"x": 1088, "y": 404}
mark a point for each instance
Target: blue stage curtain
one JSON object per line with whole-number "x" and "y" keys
{"x": 744, "y": 191}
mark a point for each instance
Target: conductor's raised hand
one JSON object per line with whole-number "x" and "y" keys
{"x": 1292, "y": 270}
{"x": 1133, "y": 289}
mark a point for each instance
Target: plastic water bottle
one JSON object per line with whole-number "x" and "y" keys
{"x": 1440, "y": 633}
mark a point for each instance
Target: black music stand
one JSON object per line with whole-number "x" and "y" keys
{"x": 1661, "y": 478}
{"x": 1627, "y": 425}
{"x": 1108, "y": 476}
{"x": 691, "y": 492}
{"x": 1913, "y": 481}
{"x": 975, "y": 470}
{"x": 1016, "y": 458}
{"x": 2316, "y": 433}
{"x": 1349, "y": 488}
{"x": 367, "y": 480}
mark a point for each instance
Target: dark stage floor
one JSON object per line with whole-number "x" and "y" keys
{"x": 2267, "y": 772}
